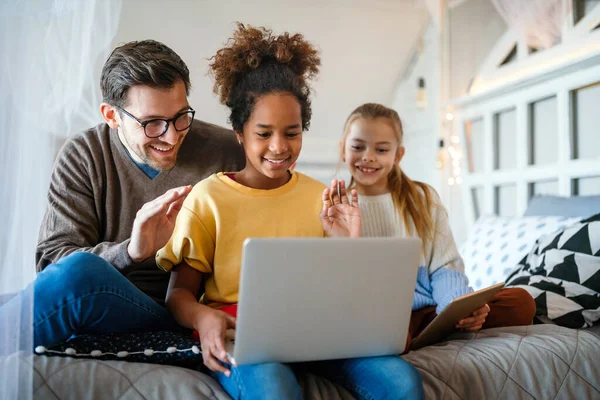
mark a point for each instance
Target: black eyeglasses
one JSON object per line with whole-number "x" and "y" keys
{"x": 157, "y": 127}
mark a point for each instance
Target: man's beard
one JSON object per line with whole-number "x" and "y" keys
{"x": 145, "y": 153}
{"x": 160, "y": 166}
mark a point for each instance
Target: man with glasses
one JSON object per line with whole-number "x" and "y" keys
{"x": 115, "y": 193}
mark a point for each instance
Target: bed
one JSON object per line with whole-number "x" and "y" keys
{"x": 532, "y": 362}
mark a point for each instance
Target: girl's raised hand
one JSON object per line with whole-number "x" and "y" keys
{"x": 339, "y": 217}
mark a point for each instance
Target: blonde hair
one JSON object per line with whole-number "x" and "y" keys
{"x": 412, "y": 199}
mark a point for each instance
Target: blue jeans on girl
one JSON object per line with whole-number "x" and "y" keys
{"x": 389, "y": 377}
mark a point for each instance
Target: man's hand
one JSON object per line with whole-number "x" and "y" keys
{"x": 154, "y": 223}
{"x": 475, "y": 321}
{"x": 211, "y": 327}
{"x": 338, "y": 217}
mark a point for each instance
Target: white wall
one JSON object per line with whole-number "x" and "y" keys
{"x": 363, "y": 45}
{"x": 421, "y": 133}
{"x": 422, "y": 129}
{"x": 474, "y": 27}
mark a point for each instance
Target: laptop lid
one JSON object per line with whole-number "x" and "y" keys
{"x": 305, "y": 299}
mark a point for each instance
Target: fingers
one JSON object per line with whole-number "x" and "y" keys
{"x": 152, "y": 208}
{"x": 474, "y": 328}
{"x": 476, "y": 320}
{"x": 344, "y": 196}
{"x": 333, "y": 215}
{"x": 335, "y": 194}
{"x": 339, "y": 193}
{"x": 325, "y": 222}
{"x": 471, "y": 322}
{"x": 231, "y": 321}
{"x": 218, "y": 347}
{"x": 175, "y": 207}
{"x": 485, "y": 309}
{"x": 211, "y": 361}
{"x": 163, "y": 203}
{"x": 354, "y": 198}
{"x": 181, "y": 191}
{"x": 211, "y": 354}
{"x": 147, "y": 213}
{"x": 326, "y": 201}
{"x": 172, "y": 195}
{"x": 213, "y": 364}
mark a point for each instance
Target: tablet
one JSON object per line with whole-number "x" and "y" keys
{"x": 459, "y": 308}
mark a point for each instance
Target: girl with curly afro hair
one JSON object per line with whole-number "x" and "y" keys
{"x": 264, "y": 80}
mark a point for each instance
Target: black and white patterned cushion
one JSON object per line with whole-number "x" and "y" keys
{"x": 562, "y": 273}
{"x": 170, "y": 348}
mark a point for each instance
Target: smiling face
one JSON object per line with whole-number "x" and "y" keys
{"x": 272, "y": 140}
{"x": 145, "y": 103}
{"x": 370, "y": 151}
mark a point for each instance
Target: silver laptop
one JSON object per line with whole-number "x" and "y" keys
{"x": 319, "y": 299}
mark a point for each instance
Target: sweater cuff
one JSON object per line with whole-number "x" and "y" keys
{"x": 122, "y": 260}
{"x": 448, "y": 284}
{"x": 420, "y": 301}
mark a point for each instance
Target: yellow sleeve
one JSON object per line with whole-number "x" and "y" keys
{"x": 191, "y": 242}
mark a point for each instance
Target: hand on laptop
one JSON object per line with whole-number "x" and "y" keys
{"x": 211, "y": 329}
{"x": 339, "y": 217}
{"x": 475, "y": 321}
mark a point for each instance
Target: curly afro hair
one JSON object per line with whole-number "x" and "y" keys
{"x": 255, "y": 62}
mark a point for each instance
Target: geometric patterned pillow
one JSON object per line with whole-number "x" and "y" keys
{"x": 497, "y": 244}
{"x": 162, "y": 347}
{"x": 562, "y": 274}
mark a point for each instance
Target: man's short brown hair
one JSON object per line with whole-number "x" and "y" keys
{"x": 145, "y": 62}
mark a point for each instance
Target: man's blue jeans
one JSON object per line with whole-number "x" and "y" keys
{"x": 389, "y": 377}
{"x": 83, "y": 293}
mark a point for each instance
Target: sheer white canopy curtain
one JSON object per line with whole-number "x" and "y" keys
{"x": 49, "y": 89}
{"x": 539, "y": 22}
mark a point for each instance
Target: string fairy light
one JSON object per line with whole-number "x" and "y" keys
{"x": 454, "y": 152}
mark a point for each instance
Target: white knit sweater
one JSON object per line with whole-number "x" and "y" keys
{"x": 440, "y": 278}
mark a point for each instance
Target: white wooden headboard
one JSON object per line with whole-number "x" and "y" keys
{"x": 532, "y": 126}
